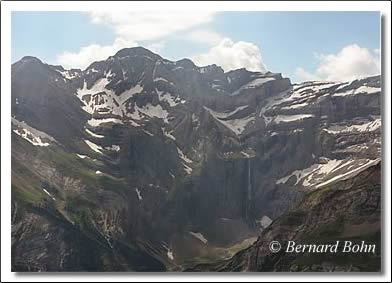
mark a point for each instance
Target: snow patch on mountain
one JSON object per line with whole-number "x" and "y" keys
{"x": 157, "y": 79}
{"x": 360, "y": 90}
{"x": 32, "y": 135}
{"x": 97, "y": 122}
{"x": 94, "y": 134}
{"x": 187, "y": 169}
{"x": 350, "y": 173}
{"x": 320, "y": 174}
{"x": 138, "y": 193}
{"x": 226, "y": 115}
{"x": 148, "y": 133}
{"x": 320, "y": 169}
{"x": 98, "y": 98}
{"x": 253, "y": 84}
{"x": 29, "y": 136}
{"x": 94, "y": 146}
{"x": 167, "y": 97}
{"x": 123, "y": 97}
{"x": 272, "y": 102}
{"x": 183, "y": 156}
{"x": 299, "y": 174}
{"x": 92, "y": 70}
{"x": 235, "y": 125}
{"x": 152, "y": 111}
{"x": 49, "y": 194}
{"x": 81, "y": 156}
{"x": 199, "y": 236}
{"x": 186, "y": 160}
{"x": 113, "y": 147}
{"x": 291, "y": 118}
{"x": 365, "y": 127}
{"x": 265, "y": 221}
{"x": 245, "y": 154}
{"x": 68, "y": 74}
{"x": 295, "y": 106}
{"x": 170, "y": 254}
{"x": 168, "y": 134}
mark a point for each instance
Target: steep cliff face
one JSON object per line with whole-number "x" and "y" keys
{"x": 41, "y": 96}
{"x": 170, "y": 159}
{"x": 347, "y": 210}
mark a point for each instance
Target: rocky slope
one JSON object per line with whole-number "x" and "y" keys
{"x": 156, "y": 163}
{"x": 348, "y": 210}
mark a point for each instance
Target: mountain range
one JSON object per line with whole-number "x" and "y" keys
{"x": 139, "y": 163}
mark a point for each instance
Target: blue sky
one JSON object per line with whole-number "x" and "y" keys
{"x": 301, "y": 45}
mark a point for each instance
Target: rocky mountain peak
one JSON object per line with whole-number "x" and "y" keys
{"x": 30, "y": 59}
{"x": 186, "y": 63}
{"x": 211, "y": 69}
{"x": 136, "y": 51}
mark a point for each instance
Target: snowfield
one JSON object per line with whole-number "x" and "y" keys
{"x": 318, "y": 175}
{"x": 359, "y": 90}
{"x": 32, "y": 135}
{"x": 236, "y": 125}
{"x": 291, "y": 118}
{"x": 253, "y": 84}
{"x": 365, "y": 127}
{"x": 98, "y": 122}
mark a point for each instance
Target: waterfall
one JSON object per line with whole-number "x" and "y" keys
{"x": 248, "y": 199}
{"x": 249, "y": 183}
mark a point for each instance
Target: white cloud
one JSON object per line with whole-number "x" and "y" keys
{"x": 91, "y": 53}
{"x": 350, "y": 63}
{"x": 306, "y": 76}
{"x": 150, "y": 25}
{"x": 131, "y": 28}
{"x": 204, "y": 36}
{"x": 232, "y": 55}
